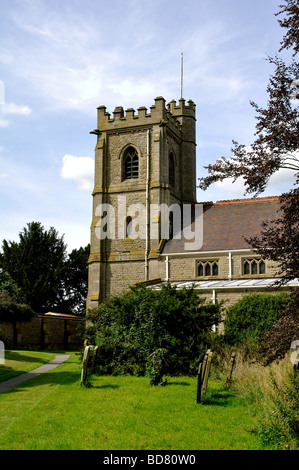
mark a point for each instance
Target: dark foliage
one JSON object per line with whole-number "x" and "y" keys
{"x": 12, "y": 311}
{"x": 75, "y": 282}
{"x": 276, "y": 343}
{"x": 276, "y": 146}
{"x": 291, "y": 23}
{"x": 279, "y": 239}
{"x": 39, "y": 272}
{"x": 133, "y": 330}
{"x": 252, "y": 316}
{"x": 36, "y": 265}
{"x": 277, "y": 137}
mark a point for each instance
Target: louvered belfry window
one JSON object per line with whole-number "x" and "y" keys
{"x": 131, "y": 163}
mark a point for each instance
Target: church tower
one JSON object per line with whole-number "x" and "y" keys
{"x": 141, "y": 160}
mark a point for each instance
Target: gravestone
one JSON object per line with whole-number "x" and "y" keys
{"x": 94, "y": 358}
{"x": 85, "y": 364}
{"x": 203, "y": 375}
{"x": 231, "y": 368}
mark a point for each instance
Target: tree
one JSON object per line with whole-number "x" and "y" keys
{"x": 36, "y": 264}
{"x": 252, "y": 316}
{"x": 277, "y": 129}
{"x": 279, "y": 239}
{"x": 277, "y": 137}
{"x": 143, "y": 328}
{"x": 75, "y": 281}
{"x": 38, "y": 271}
{"x": 276, "y": 146}
{"x": 291, "y": 38}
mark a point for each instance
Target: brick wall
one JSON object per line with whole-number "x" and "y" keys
{"x": 43, "y": 333}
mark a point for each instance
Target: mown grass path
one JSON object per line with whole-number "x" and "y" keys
{"x": 53, "y": 411}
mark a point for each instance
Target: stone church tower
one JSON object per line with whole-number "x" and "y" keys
{"x": 141, "y": 160}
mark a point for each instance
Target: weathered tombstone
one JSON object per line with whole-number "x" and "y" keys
{"x": 231, "y": 368}
{"x": 203, "y": 374}
{"x": 85, "y": 364}
{"x": 199, "y": 383}
{"x": 207, "y": 372}
{"x": 94, "y": 358}
{"x": 204, "y": 365}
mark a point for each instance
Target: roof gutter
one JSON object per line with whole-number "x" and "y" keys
{"x": 188, "y": 253}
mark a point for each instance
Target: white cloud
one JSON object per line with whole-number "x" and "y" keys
{"x": 79, "y": 169}
{"x": 3, "y": 175}
{"x": 127, "y": 89}
{"x": 4, "y": 122}
{"x": 12, "y": 108}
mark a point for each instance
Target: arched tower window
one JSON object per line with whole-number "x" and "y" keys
{"x": 171, "y": 169}
{"x": 131, "y": 163}
{"x": 129, "y": 227}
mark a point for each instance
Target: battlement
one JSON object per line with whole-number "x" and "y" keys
{"x": 158, "y": 114}
{"x": 182, "y": 109}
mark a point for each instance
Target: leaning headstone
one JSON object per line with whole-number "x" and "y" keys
{"x": 85, "y": 364}
{"x": 94, "y": 358}
{"x": 203, "y": 375}
{"x": 204, "y": 365}
{"x": 199, "y": 383}
{"x": 231, "y": 368}
{"x": 207, "y": 372}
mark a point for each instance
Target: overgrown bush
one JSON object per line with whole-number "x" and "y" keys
{"x": 275, "y": 343}
{"x": 11, "y": 311}
{"x": 131, "y": 327}
{"x": 252, "y": 316}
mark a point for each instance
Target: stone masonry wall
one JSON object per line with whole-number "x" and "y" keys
{"x": 43, "y": 333}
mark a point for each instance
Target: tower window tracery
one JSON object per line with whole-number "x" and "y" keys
{"x": 131, "y": 163}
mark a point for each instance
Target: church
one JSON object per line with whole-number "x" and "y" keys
{"x": 147, "y": 226}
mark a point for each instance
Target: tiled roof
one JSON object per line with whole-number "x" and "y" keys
{"x": 61, "y": 315}
{"x": 226, "y": 223}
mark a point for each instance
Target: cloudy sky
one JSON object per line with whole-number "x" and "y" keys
{"x": 61, "y": 59}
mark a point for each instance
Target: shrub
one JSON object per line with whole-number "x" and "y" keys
{"x": 131, "y": 327}
{"x": 275, "y": 343}
{"x": 252, "y": 316}
{"x": 156, "y": 366}
{"x": 11, "y": 311}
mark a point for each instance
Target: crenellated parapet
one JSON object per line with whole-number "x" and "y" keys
{"x": 159, "y": 113}
{"x": 182, "y": 109}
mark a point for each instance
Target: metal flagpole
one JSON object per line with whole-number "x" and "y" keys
{"x": 181, "y": 75}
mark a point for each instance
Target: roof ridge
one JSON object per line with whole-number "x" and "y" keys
{"x": 250, "y": 200}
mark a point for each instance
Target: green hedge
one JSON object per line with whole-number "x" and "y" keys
{"x": 11, "y": 311}
{"x": 135, "y": 328}
{"x": 252, "y": 316}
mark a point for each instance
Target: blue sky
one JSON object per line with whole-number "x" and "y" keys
{"x": 60, "y": 60}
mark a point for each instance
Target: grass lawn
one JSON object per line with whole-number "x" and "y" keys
{"x": 53, "y": 411}
{"x": 18, "y": 362}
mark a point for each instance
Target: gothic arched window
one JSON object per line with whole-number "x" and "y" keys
{"x": 254, "y": 266}
{"x": 171, "y": 170}
{"x": 129, "y": 227}
{"x": 131, "y": 163}
{"x": 207, "y": 268}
